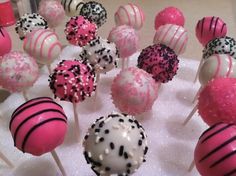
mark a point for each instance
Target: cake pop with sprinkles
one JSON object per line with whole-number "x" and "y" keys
{"x": 94, "y": 12}
{"x": 115, "y": 144}
{"x": 215, "y": 151}
{"x": 80, "y": 31}
{"x": 72, "y": 7}
{"x": 5, "y": 42}
{"x": 160, "y": 61}
{"x": 28, "y": 22}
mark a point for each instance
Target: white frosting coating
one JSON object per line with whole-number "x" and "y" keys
{"x": 116, "y": 144}
{"x": 173, "y": 36}
{"x": 218, "y": 65}
{"x": 72, "y": 7}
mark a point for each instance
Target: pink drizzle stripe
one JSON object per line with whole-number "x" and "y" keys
{"x": 33, "y": 48}
{"x": 117, "y": 15}
{"x": 42, "y": 44}
{"x": 127, "y": 14}
{"x": 177, "y": 41}
{"x": 183, "y": 44}
{"x": 230, "y": 66}
{"x": 135, "y": 14}
{"x": 141, "y": 15}
{"x": 218, "y": 66}
{"x": 157, "y": 39}
{"x": 52, "y": 47}
{"x": 169, "y": 44}
{"x": 163, "y": 38}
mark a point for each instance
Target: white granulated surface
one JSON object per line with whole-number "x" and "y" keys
{"x": 171, "y": 145}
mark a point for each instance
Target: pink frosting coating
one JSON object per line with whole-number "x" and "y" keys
{"x": 52, "y": 11}
{"x": 5, "y": 42}
{"x": 131, "y": 15}
{"x": 126, "y": 40}
{"x": 169, "y": 15}
{"x": 215, "y": 151}
{"x": 160, "y": 61}
{"x": 80, "y": 31}
{"x": 134, "y": 91}
{"x": 217, "y": 101}
{"x": 72, "y": 81}
{"x": 209, "y": 28}
{"x": 38, "y": 126}
{"x": 18, "y": 71}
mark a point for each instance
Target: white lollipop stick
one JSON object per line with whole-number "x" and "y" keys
{"x": 76, "y": 117}
{"x": 198, "y": 70}
{"x": 191, "y": 166}
{"x": 197, "y": 94}
{"x": 49, "y": 69}
{"x": 21, "y": 7}
{"x": 190, "y": 115}
{"x": 25, "y": 95}
{"x": 127, "y": 62}
{"x": 6, "y": 160}
{"x": 123, "y": 64}
{"x": 58, "y": 162}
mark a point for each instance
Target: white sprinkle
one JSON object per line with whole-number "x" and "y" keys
{"x": 107, "y": 151}
{"x": 101, "y": 157}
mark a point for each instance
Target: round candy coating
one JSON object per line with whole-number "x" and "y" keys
{"x": 223, "y": 45}
{"x": 215, "y": 151}
{"x": 173, "y": 36}
{"x": 72, "y": 81}
{"x": 94, "y": 12}
{"x": 216, "y": 102}
{"x": 43, "y": 45}
{"x": 169, "y": 15}
{"x": 29, "y": 22}
{"x": 18, "y": 71}
{"x": 5, "y": 42}
{"x": 80, "y": 31}
{"x": 209, "y": 28}
{"x": 131, "y": 15}
{"x": 115, "y": 144}
{"x": 134, "y": 91}
{"x": 72, "y": 7}
{"x": 160, "y": 61}
{"x": 38, "y": 126}
{"x": 126, "y": 40}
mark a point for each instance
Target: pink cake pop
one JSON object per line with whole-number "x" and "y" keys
{"x": 52, "y": 11}
{"x": 209, "y": 28}
{"x": 18, "y": 71}
{"x": 38, "y": 126}
{"x": 169, "y": 15}
{"x": 214, "y": 154}
{"x": 173, "y": 36}
{"x": 80, "y": 31}
{"x": 5, "y": 42}
{"x": 130, "y": 15}
{"x": 160, "y": 61}
{"x": 134, "y": 91}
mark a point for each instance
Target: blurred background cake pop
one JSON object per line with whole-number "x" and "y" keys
{"x": 94, "y": 12}
{"x": 80, "y": 31}
{"x": 29, "y": 22}
{"x": 160, "y": 61}
{"x": 5, "y": 42}
{"x": 115, "y": 144}
{"x": 134, "y": 91}
{"x": 173, "y": 36}
{"x": 72, "y": 7}
{"x": 169, "y": 15}
{"x": 52, "y": 11}
{"x": 131, "y": 15}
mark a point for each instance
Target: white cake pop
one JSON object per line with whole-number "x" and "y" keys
{"x": 72, "y": 7}
{"x": 115, "y": 145}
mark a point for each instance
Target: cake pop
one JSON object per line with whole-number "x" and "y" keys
{"x": 80, "y": 31}
{"x": 38, "y": 126}
{"x": 29, "y": 22}
{"x": 43, "y": 45}
{"x": 131, "y": 15}
{"x": 169, "y": 15}
{"x": 94, "y": 12}
{"x": 5, "y": 42}
{"x": 115, "y": 145}
{"x": 18, "y": 71}
{"x": 215, "y": 151}
{"x": 173, "y": 36}
{"x": 216, "y": 102}
{"x": 160, "y": 61}
{"x": 126, "y": 40}
{"x": 209, "y": 28}
{"x": 52, "y": 11}
{"x": 134, "y": 91}
{"x": 72, "y": 7}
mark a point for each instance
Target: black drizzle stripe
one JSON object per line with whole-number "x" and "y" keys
{"x": 218, "y": 148}
{"x": 121, "y": 150}
{"x": 37, "y": 126}
{"x": 81, "y": 3}
{"x": 1, "y": 31}
{"x": 69, "y": 5}
{"x": 212, "y": 19}
{"x": 223, "y": 159}
{"x": 222, "y": 27}
{"x": 214, "y": 33}
{"x": 209, "y": 129}
{"x": 218, "y": 131}
{"x": 230, "y": 173}
{"x": 32, "y": 116}
{"x": 38, "y": 98}
{"x": 203, "y": 20}
{"x": 65, "y": 4}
